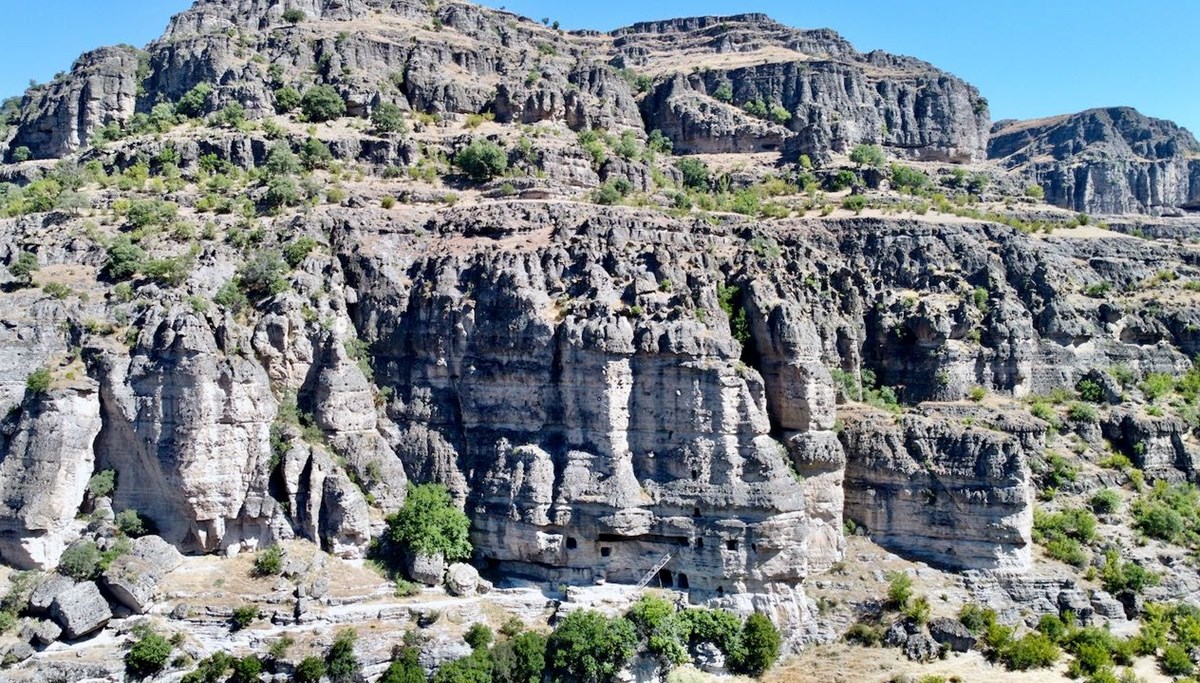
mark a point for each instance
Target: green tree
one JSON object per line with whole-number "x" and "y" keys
{"x": 430, "y": 524}
{"x": 474, "y": 668}
{"x": 23, "y": 268}
{"x": 148, "y": 656}
{"x": 341, "y": 664}
{"x": 312, "y": 670}
{"x": 297, "y": 250}
{"x": 263, "y": 276}
{"x": 695, "y": 173}
{"x": 194, "y": 102}
{"x": 294, "y": 16}
{"x": 287, "y": 99}
{"x": 322, "y": 103}
{"x": 388, "y": 118}
{"x": 22, "y": 153}
{"x": 478, "y": 636}
{"x": 520, "y": 659}
{"x": 125, "y": 259}
{"x": 246, "y": 670}
{"x": 724, "y": 93}
{"x": 281, "y": 160}
{"x": 81, "y": 561}
{"x": 269, "y": 561}
{"x": 868, "y": 155}
{"x": 406, "y": 668}
{"x": 761, "y": 643}
{"x": 482, "y": 160}
{"x": 38, "y": 381}
{"x": 590, "y": 648}
{"x": 315, "y": 154}
{"x": 282, "y": 191}
{"x": 243, "y": 616}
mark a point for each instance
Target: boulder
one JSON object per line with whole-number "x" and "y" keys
{"x": 46, "y": 590}
{"x": 133, "y": 578}
{"x": 920, "y": 647}
{"x": 708, "y": 658}
{"x": 81, "y": 610}
{"x": 426, "y": 569}
{"x": 18, "y": 652}
{"x": 462, "y": 579}
{"x": 40, "y": 632}
{"x": 952, "y": 634}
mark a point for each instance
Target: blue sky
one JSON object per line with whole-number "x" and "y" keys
{"x": 1030, "y": 58}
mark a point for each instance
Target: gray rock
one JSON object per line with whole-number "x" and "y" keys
{"x": 1106, "y": 606}
{"x": 81, "y": 610}
{"x": 896, "y": 635}
{"x": 920, "y": 647}
{"x": 462, "y": 579}
{"x": 133, "y": 578}
{"x": 48, "y": 588}
{"x": 18, "y": 652}
{"x": 426, "y": 569}
{"x": 952, "y": 634}
{"x": 39, "y": 632}
{"x": 708, "y": 657}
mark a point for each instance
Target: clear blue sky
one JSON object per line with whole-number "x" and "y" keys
{"x": 1030, "y": 58}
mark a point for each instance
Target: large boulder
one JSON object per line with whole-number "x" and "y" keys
{"x": 952, "y": 634}
{"x": 426, "y": 569}
{"x": 46, "y": 590}
{"x": 40, "y": 632}
{"x": 81, "y": 610}
{"x": 133, "y": 578}
{"x": 462, "y": 579}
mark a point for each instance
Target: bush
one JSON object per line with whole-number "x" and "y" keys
{"x": 1175, "y": 661}
{"x": 1118, "y": 576}
{"x": 587, "y": 646}
{"x": 102, "y": 483}
{"x": 194, "y": 102}
{"x": 430, "y": 524}
{"x": 521, "y": 659}
{"x": 1169, "y": 512}
{"x": 977, "y": 394}
{"x": 1033, "y": 651}
{"x": 1090, "y": 390}
{"x": 406, "y": 668}
{"x": 899, "y": 590}
{"x": 1156, "y": 385}
{"x": 1082, "y": 412}
{"x": 125, "y": 259}
{"x": 612, "y": 192}
{"x": 246, "y": 670}
{"x": 655, "y": 621}
{"x": 23, "y": 268}
{"x": 315, "y": 154}
{"x": 1105, "y": 502}
{"x": 906, "y": 177}
{"x": 297, "y": 250}
{"x": 724, "y": 93}
{"x": 133, "y": 524}
{"x": 868, "y": 155}
{"x": 312, "y": 670}
{"x": 148, "y": 656}
{"x": 230, "y": 297}
{"x": 243, "y": 616}
{"x": 855, "y": 203}
{"x": 294, "y": 16}
{"x": 22, "y": 153}
{"x": 474, "y": 668}
{"x": 211, "y": 669}
{"x": 760, "y": 645}
{"x": 262, "y": 277}
{"x": 843, "y": 179}
{"x": 918, "y": 610}
{"x": 322, "y": 103}
{"x": 388, "y": 118}
{"x": 286, "y": 99}
{"x": 478, "y": 636}
{"x": 269, "y": 561}
{"x": 341, "y": 665}
{"x": 482, "y": 160}
{"x": 977, "y": 619}
{"x": 38, "y": 381}
{"x": 695, "y": 173}
{"x": 864, "y": 634}
{"x": 81, "y": 561}
{"x": 1035, "y": 192}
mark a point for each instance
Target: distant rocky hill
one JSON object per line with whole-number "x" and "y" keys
{"x": 713, "y": 304}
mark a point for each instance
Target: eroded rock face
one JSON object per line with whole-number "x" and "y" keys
{"x": 132, "y": 579}
{"x": 929, "y": 487}
{"x": 1106, "y": 161}
{"x": 46, "y": 459}
{"x": 81, "y": 610}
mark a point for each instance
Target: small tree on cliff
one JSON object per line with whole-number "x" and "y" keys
{"x": 429, "y": 524}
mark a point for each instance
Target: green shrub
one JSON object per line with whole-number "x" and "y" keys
{"x": 263, "y": 276}
{"x": 906, "y": 177}
{"x": 194, "y": 102}
{"x": 341, "y": 664}
{"x": 312, "y": 670}
{"x": 474, "y": 668}
{"x": 868, "y": 155}
{"x": 297, "y": 250}
{"x": 899, "y": 590}
{"x": 133, "y": 524}
{"x": 21, "y": 154}
{"x": 125, "y": 259}
{"x": 1105, "y": 502}
{"x": 287, "y": 99}
{"x": 38, "y": 381}
{"x": 1032, "y": 651}
{"x": 281, "y": 160}
{"x": 1169, "y": 512}
{"x": 1035, "y": 192}
{"x": 695, "y": 173}
{"x": 520, "y": 659}
{"x": 977, "y": 619}
{"x": 81, "y": 561}
{"x": 211, "y": 669}
{"x": 294, "y": 16}
{"x": 406, "y": 668}
{"x": 1118, "y": 575}
{"x": 1156, "y": 385}
{"x": 148, "y": 656}
{"x": 230, "y": 297}
{"x": 587, "y": 646}
{"x": 761, "y": 643}
{"x": 269, "y": 561}
{"x": 1082, "y": 412}
{"x": 388, "y": 118}
{"x": 322, "y": 103}
{"x": 315, "y": 154}
{"x": 23, "y": 268}
{"x": 855, "y": 203}
{"x": 918, "y": 610}
{"x": 724, "y": 93}
{"x": 1175, "y": 661}
{"x": 977, "y": 394}
{"x": 430, "y": 524}
{"x": 1090, "y": 390}
{"x": 243, "y": 616}
{"x": 102, "y": 483}
{"x": 864, "y": 634}
{"x": 478, "y": 636}
{"x": 654, "y": 619}
{"x": 1052, "y": 626}
{"x": 482, "y": 160}
{"x": 246, "y": 670}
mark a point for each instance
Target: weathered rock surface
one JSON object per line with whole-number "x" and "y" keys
{"x": 133, "y": 578}
{"x": 1105, "y": 161}
{"x": 952, "y": 634}
{"x": 81, "y": 610}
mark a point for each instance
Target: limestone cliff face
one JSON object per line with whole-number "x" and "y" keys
{"x": 1105, "y": 161}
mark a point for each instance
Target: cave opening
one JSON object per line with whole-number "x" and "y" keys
{"x": 665, "y": 578}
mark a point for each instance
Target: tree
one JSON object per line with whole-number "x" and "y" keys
{"x": 281, "y": 160}
{"x": 194, "y": 102}
{"x": 243, "y": 616}
{"x": 263, "y": 277}
{"x": 269, "y": 562}
{"x": 724, "y": 93}
{"x": 81, "y": 561}
{"x": 340, "y": 663}
{"x": 24, "y": 267}
{"x": 521, "y": 659}
{"x": 22, "y": 153}
{"x": 322, "y": 103}
{"x": 282, "y": 191}
{"x": 388, "y": 118}
{"x": 760, "y": 646}
{"x": 148, "y": 656}
{"x": 695, "y": 173}
{"x": 246, "y": 670}
{"x": 315, "y": 154}
{"x": 405, "y": 669}
{"x": 38, "y": 381}
{"x": 1035, "y": 192}
{"x": 294, "y": 16}
{"x": 287, "y": 98}
{"x": 589, "y": 647}
{"x": 125, "y": 259}
{"x": 478, "y": 636}
{"x": 429, "y": 524}
{"x": 482, "y": 160}
{"x": 312, "y": 670}
{"x": 474, "y": 668}
{"x": 867, "y": 155}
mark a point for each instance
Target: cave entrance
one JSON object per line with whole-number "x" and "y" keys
{"x": 683, "y": 581}
{"x": 665, "y": 578}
